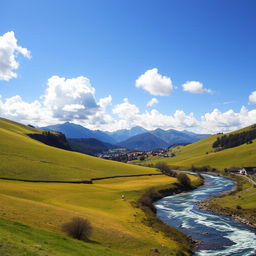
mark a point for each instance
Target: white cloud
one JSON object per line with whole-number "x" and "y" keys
{"x": 155, "y": 83}
{"x": 9, "y": 49}
{"x": 152, "y": 102}
{"x": 195, "y": 87}
{"x": 100, "y": 119}
{"x": 218, "y": 121}
{"x": 64, "y": 100}
{"x": 73, "y": 107}
{"x": 70, "y": 99}
{"x": 125, "y": 110}
{"x": 154, "y": 119}
{"x": 105, "y": 102}
{"x": 212, "y": 122}
{"x": 16, "y": 109}
{"x": 74, "y": 100}
{"x": 129, "y": 115}
{"x": 252, "y": 98}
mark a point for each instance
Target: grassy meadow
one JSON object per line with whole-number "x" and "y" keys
{"x": 117, "y": 224}
{"x": 24, "y": 158}
{"x": 32, "y": 214}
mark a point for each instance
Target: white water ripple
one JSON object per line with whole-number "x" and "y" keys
{"x": 221, "y": 236}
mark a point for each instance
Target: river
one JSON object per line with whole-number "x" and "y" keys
{"x": 219, "y": 235}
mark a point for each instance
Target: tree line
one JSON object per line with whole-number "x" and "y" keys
{"x": 234, "y": 140}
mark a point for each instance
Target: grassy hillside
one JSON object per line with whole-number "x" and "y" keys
{"x": 117, "y": 224}
{"x": 201, "y": 153}
{"x": 24, "y": 158}
{"x": 32, "y": 214}
{"x": 22, "y": 240}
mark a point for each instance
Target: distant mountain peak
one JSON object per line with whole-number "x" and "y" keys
{"x": 166, "y": 137}
{"x": 144, "y": 141}
{"x": 158, "y": 129}
{"x": 73, "y": 131}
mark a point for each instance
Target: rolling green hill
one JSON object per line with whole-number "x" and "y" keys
{"x": 201, "y": 153}
{"x": 22, "y": 157}
{"x": 32, "y": 214}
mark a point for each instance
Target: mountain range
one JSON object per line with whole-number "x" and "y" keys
{"x": 76, "y": 131}
{"x": 145, "y": 141}
{"x": 136, "y": 138}
{"x": 124, "y": 134}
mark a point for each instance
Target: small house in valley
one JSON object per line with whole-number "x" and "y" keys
{"x": 248, "y": 171}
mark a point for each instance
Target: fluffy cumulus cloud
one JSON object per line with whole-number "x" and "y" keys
{"x": 217, "y": 121}
{"x": 155, "y": 83}
{"x": 100, "y": 119}
{"x": 154, "y": 119}
{"x": 64, "y": 100}
{"x": 9, "y": 49}
{"x": 212, "y": 122}
{"x": 16, "y": 109}
{"x": 252, "y": 98}
{"x": 69, "y": 99}
{"x": 74, "y": 100}
{"x": 195, "y": 87}
{"x": 152, "y": 102}
{"x": 125, "y": 110}
{"x": 105, "y": 102}
{"x": 126, "y": 115}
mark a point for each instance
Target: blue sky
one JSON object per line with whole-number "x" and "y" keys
{"x": 113, "y": 43}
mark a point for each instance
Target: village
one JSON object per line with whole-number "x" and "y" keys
{"x": 125, "y": 155}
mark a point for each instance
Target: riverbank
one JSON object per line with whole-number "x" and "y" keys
{"x": 218, "y": 234}
{"x": 146, "y": 204}
{"x": 239, "y": 203}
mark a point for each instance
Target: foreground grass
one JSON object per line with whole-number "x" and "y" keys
{"x": 22, "y": 240}
{"x": 24, "y": 158}
{"x": 240, "y": 203}
{"x": 117, "y": 224}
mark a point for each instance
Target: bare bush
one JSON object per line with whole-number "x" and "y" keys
{"x": 78, "y": 228}
{"x": 184, "y": 180}
{"x": 164, "y": 168}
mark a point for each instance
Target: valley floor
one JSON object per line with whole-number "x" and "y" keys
{"x": 31, "y": 216}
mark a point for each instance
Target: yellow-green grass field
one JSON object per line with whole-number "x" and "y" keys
{"x": 117, "y": 224}
{"x": 201, "y": 153}
{"x": 31, "y": 214}
{"x": 17, "y": 239}
{"x": 24, "y": 158}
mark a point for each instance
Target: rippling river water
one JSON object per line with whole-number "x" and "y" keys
{"x": 219, "y": 235}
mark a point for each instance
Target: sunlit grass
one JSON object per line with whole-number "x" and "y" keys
{"x": 24, "y": 158}
{"x": 117, "y": 224}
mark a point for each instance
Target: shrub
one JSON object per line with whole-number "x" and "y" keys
{"x": 184, "y": 180}
{"x": 78, "y": 228}
{"x": 142, "y": 158}
{"x": 164, "y": 168}
{"x": 205, "y": 168}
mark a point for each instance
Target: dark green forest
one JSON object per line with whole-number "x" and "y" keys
{"x": 236, "y": 139}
